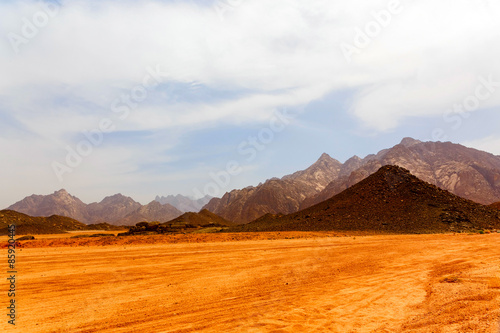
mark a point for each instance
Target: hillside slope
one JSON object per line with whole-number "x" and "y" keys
{"x": 26, "y": 224}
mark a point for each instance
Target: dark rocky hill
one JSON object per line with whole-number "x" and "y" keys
{"x": 466, "y": 172}
{"x": 26, "y": 224}
{"x": 203, "y": 218}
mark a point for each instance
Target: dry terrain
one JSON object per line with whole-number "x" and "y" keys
{"x": 275, "y": 282}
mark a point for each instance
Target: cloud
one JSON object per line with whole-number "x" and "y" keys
{"x": 490, "y": 144}
{"x": 256, "y": 57}
{"x": 424, "y": 60}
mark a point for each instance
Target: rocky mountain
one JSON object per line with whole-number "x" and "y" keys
{"x": 276, "y": 195}
{"x": 390, "y": 200}
{"x": 117, "y": 209}
{"x": 467, "y": 172}
{"x": 153, "y": 211}
{"x": 183, "y": 203}
{"x": 495, "y": 205}
{"x": 112, "y": 208}
{"x": 26, "y": 224}
{"x": 58, "y": 203}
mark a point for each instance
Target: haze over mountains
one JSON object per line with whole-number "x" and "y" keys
{"x": 183, "y": 203}
{"x": 466, "y": 172}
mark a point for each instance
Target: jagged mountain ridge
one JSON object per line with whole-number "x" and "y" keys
{"x": 117, "y": 209}
{"x": 276, "y": 195}
{"x": 390, "y": 200}
{"x": 466, "y": 172}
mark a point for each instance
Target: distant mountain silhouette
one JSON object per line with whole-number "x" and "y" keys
{"x": 183, "y": 203}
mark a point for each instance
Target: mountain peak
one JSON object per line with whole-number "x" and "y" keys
{"x": 324, "y": 156}
{"x": 61, "y": 192}
{"x": 408, "y": 142}
{"x": 325, "y": 160}
{"x": 394, "y": 169}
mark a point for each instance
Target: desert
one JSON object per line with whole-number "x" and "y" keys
{"x": 250, "y": 166}
{"x": 260, "y": 282}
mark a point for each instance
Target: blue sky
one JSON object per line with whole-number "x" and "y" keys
{"x": 151, "y": 98}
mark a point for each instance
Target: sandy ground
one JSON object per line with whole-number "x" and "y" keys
{"x": 420, "y": 283}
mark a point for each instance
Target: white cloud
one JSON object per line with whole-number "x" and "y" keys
{"x": 425, "y": 59}
{"x": 268, "y": 53}
{"x": 490, "y": 144}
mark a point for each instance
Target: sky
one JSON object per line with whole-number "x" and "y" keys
{"x": 153, "y": 97}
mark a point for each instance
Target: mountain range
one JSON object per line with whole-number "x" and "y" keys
{"x": 466, "y": 172}
{"x": 117, "y": 209}
{"x": 390, "y": 200}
